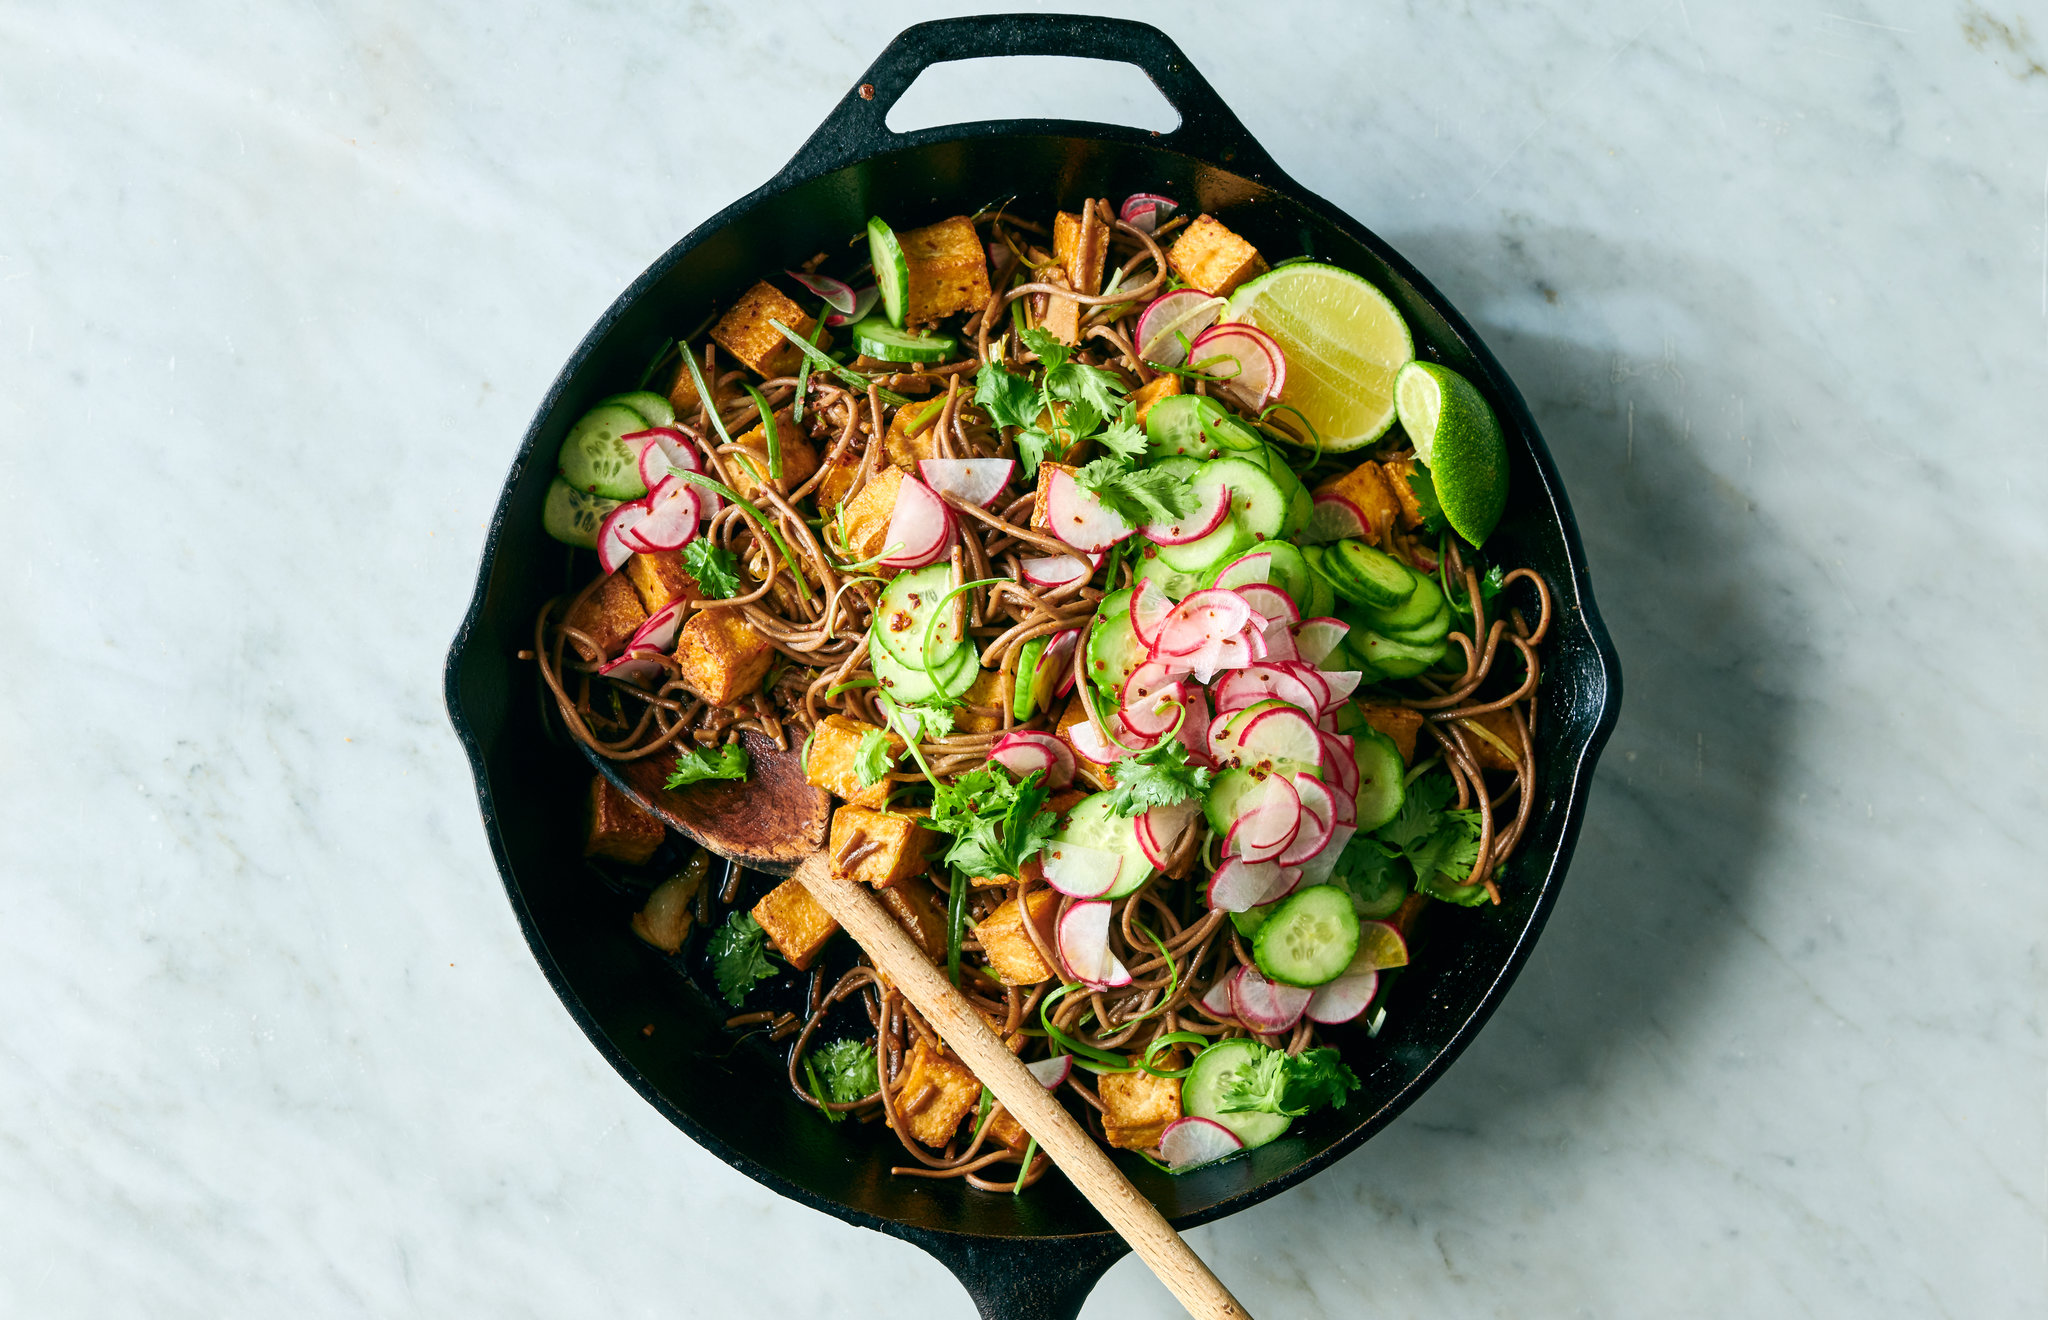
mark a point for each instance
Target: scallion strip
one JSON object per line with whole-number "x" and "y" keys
{"x": 803, "y": 371}
{"x": 1024, "y": 1170}
{"x": 768, "y": 429}
{"x": 704, "y": 395}
{"x": 956, "y": 923}
{"x": 655, "y": 362}
{"x": 848, "y": 686}
{"x": 1113, "y": 1062}
{"x": 1168, "y": 1040}
{"x": 803, "y": 588}
{"x": 845, "y": 373}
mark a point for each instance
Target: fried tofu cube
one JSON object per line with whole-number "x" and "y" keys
{"x": 834, "y": 755}
{"x": 864, "y": 521}
{"x": 1136, "y": 1106}
{"x": 610, "y": 615}
{"x": 913, "y": 434}
{"x": 899, "y": 844}
{"x": 797, "y": 924}
{"x": 799, "y": 458}
{"x": 682, "y": 391}
{"x": 1397, "y": 722}
{"x": 983, "y": 711}
{"x": 1395, "y": 472}
{"x": 1080, "y": 243}
{"x": 746, "y": 333}
{"x": 616, "y": 826}
{"x": 661, "y": 578}
{"x": 1006, "y": 1131}
{"x": 948, "y": 270}
{"x": 837, "y": 483}
{"x": 1502, "y": 725}
{"x": 915, "y": 905}
{"x": 1041, "y": 521}
{"x": 1096, "y": 774}
{"x": 1008, "y": 945}
{"x": 722, "y": 657}
{"x": 1059, "y": 316}
{"x": 1366, "y": 487}
{"x": 1209, "y": 256}
{"x": 1165, "y": 387}
{"x": 936, "y": 1093}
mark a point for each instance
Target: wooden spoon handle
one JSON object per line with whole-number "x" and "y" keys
{"x": 1059, "y": 1136}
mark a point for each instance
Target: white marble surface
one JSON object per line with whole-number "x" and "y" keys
{"x": 280, "y": 286}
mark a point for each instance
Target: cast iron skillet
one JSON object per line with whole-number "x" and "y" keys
{"x": 1034, "y": 1256}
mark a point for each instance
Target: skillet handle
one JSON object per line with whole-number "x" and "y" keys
{"x": 856, "y": 128}
{"x": 1026, "y": 1278}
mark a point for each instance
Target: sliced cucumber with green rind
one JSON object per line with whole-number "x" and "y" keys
{"x": 1368, "y": 577}
{"x": 1176, "y": 584}
{"x": 1425, "y": 600}
{"x": 1289, "y": 572}
{"x": 1114, "y": 651}
{"x": 892, "y": 269}
{"x": 1178, "y": 467}
{"x": 1173, "y": 428}
{"x": 594, "y": 459}
{"x": 1436, "y": 627}
{"x": 1215, "y": 1068}
{"x": 1092, "y": 824}
{"x": 1309, "y": 939}
{"x": 1382, "y": 778}
{"x": 653, "y": 408}
{"x": 1226, "y": 543}
{"x": 1258, "y": 500}
{"x": 878, "y": 339}
{"x": 573, "y": 517}
{"x": 909, "y": 686}
{"x": 905, "y": 610}
{"x": 1391, "y": 658}
{"x": 1024, "y": 697}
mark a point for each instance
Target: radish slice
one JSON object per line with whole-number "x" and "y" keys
{"x": 920, "y": 527}
{"x": 1276, "y": 735}
{"x": 1265, "y": 1006}
{"x": 1194, "y": 727}
{"x": 1340, "y": 764}
{"x": 1251, "y": 364}
{"x": 1318, "y": 869}
{"x": 1084, "y": 946}
{"x": 1268, "y": 824}
{"x": 1058, "y": 570}
{"x": 1157, "y": 714}
{"x": 1204, "y": 520}
{"x": 1090, "y": 745}
{"x": 1334, "y": 518}
{"x": 1190, "y": 1141}
{"x": 1082, "y": 872}
{"x": 612, "y": 549}
{"x": 1342, "y": 999}
{"x": 836, "y": 292}
{"x": 1160, "y": 829}
{"x": 975, "y": 481}
{"x": 1052, "y": 1073}
{"x": 1343, "y": 682}
{"x": 1171, "y": 322}
{"x": 1204, "y": 617}
{"x": 1313, "y": 679}
{"x": 1146, "y": 682}
{"x": 1216, "y": 1002}
{"x": 1081, "y": 520}
{"x": 1246, "y": 569}
{"x": 1024, "y": 759}
{"x": 1289, "y": 881}
{"x": 662, "y": 448}
{"x": 1061, "y": 771}
{"x": 1146, "y": 211}
{"x": 672, "y": 515}
{"x": 1270, "y": 603}
{"x": 1058, "y": 658}
{"x": 640, "y": 668}
{"x": 1149, "y": 607}
{"x": 1240, "y": 886}
{"x": 863, "y": 303}
{"x": 659, "y": 632}
{"x": 1318, "y": 810}
{"x": 1316, "y": 638}
{"x": 1262, "y": 681}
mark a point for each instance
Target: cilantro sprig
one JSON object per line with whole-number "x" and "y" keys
{"x": 874, "y": 758}
{"x": 841, "y": 1073}
{"x": 1073, "y": 398}
{"x": 997, "y": 823}
{"x": 713, "y": 566}
{"x": 1437, "y": 844}
{"x": 1291, "y": 1084}
{"x": 739, "y": 957}
{"x": 699, "y": 763}
{"x": 1159, "y": 776}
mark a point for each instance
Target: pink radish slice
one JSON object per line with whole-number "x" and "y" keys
{"x": 975, "y": 481}
{"x": 1288, "y": 881}
{"x": 640, "y": 668}
{"x": 1191, "y": 1141}
{"x": 1194, "y": 729}
{"x": 612, "y": 550}
{"x": 1204, "y": 617}
{"x": 1194, "y": 526}
{"x": 1170, "y": 323}
{"x": 1340, "y": 764}
{"x": 1266, "y": 1006}
{"x": 1425, "y": 558}
{"x": 863, "y": 303}
{"x": 1083, "y": 940}
{"x": 1157, "y": 714}
{"x": 1260, "y": 681}
{"x": 836, "y": 292}
{"x": 920, "y": 527}
{"x": 1149, "y": 607}
{"x": 1061, "y": 771}
{"x": 1318, "y": 809}
{"x": 1160, "y": 829}
{"x": 1278, "y": 641}
{"x": 1342, "y": 999}
{"x": 1216, "y": 1002}
{"x": 1275, "y": 733}
{"x": 1334, "y": 518}
{"x": 1058, "y": 658}
{"x": 1312, "y": 679}
{"x": 1052, "y": 1073}
{"x": 659, "y": 632}
{"x": 1316, "y": 638}
{"x": 672, "y": 515}
{"x": 1254, "y": 567}
{"x": 1343, "y": 682}
{"x": 1092, "y": 746}
{"x": 1244, "y": 360}
{"x": 1024, "y": 759}
{"x": 661, "y": 449}
{"x": 1317, "y": 870}
{"x": 1263, "y": 832}
{"x": 1146, "y": 210}
{"x": 1081, "y": 520}
{"x": 1254, "y": 637}
{"x": 1080, "y": 871}
{"x": 1058, "y": 570}
{"x": 1240, "y": 886}
{"x": 1270, "y": 603}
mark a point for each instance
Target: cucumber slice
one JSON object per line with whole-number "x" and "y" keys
{"x": 1412, "y": 612}
{"x": 653, "y": 408}
{"x": 1257, "y": 499}
{"x": 1176, "y": 584}
{"x": 1248, "y": 921}
{"x": 1322, "y": 597}
{"x": 878, "y": 339}
{"x": 1289, "y": 572}
{"x": 1218, "y": 547}
{"x": 905, "y": 610}
{"x": 892, "y": 270}
{"x": 572, "y": 516}
{"x": 1367, "y": 577}
{"x": 1179, "y": 467}
{"x": 1194, "y": 426}
{"x": 1024, "y": 698}
{"x": 1201, "y": 1092}
{"x": 1310, "y": 937}
{"x": 1349, "y": 718}
{"x": 1299, "y": 511}
{"x": 1391, "y": 658}
{"x": 1382, "y": 778}
{"x": 1092, "y": 824}
{"x": 1114, "y": 651}
{"x": 1439, "y": 624}
{"x": 1226, "y": 792}
{"x": 596, "y": 461}
{"x": 909, "y": 686}
{"x": 1380, "y": 899}
{"x": 1240, "y": 572}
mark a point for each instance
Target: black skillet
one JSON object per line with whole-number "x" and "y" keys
{"x": 1033, "y": 1257}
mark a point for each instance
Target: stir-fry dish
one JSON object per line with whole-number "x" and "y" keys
{"x": 1127, "y": 592}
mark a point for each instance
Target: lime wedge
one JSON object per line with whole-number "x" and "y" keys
{"x": 1459, "y": 440}
{"x": 1344, "y": 343}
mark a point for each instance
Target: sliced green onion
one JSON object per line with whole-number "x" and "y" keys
{"x": 1173, "y": 985}
{"x": 803, "y": 371}
{"x": 1024, "y": 1170}
{"x": 1168, "y": 1040}
{"x": 985, "y": 1109}
{"x": 803, "y": 758}
{"x": 1089, "y": 1053}
{"x": 654, "y": 362}
{"x": 704, "y": 396}
{"x": 817, "y": 1090}
{"x": 768, "y": 428}
{"x": 848, "y": 686}
{"x": 1313, "y": 434}
{"x": 956, "y": 922}
{"x": 845, "y": 373}
{"x": 931, "y": 625}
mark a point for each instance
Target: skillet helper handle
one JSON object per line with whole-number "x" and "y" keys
{"x": 1059, "y": 1135}
{"x": 857, "y": 128}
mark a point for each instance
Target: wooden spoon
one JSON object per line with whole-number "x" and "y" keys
{"x": 775, "y": 822}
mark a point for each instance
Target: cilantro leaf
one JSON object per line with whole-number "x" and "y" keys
{"x": 1032, "y": 447}
{"x": 739, "y": 957}
{"x": 1279, "y": 1083}
{"x": 1424, "y": 487}
{"x": 714, "y": 568}
{"x": 1367, "y": 868}
{"x": 1159, "y": 776}
{"x": 1080, "y": 385}
{"x": 918, "y": 722}
{"x": 1149, "y": 495}
{"x": 1046, "y": 345}
{"x": 1491, "y": 583}
{"x": 873, "y": 758}
{"x": 848, "y": 1070}
{"x": 696, "y": 763}
{"x": 1124, "y": 438}
{"x": 1008, "y": 398}
{"x": 996, "y": 822}
{"x": 1440, "y": 844}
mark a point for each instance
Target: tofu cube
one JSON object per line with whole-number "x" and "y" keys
{"x": 983, "y": 711}
{"x": 1136, "y": 1106}
{"x": 799, "y": 458}
{"x": 660, "y": 578}
{"x": 682, "y": 391}
{"x": 610, "y": 615}
{"x": 1209, "y": 256}
{"x": 1093, "y": 773}
{"x": 1006, "y": 1131}
{"x": 1059, "y": 315}
{"x": 722, "y": 657}
{"x": 1366, "y": 487}
{"x": 796, "y": 924}
{"x": 1008, "y": 945}
{"x": 834, "y": 752}
{"x": 616, "y": 827}
{"x": 918, "y": 909}
{"x": 948, "y": 270}
{"x": 1041, "y": 521}
{"x": 936, "y": 1093}
{"x": 746, "y": 333}
{"x": 1396, "y": 473}
{"x": 837, "y": 483}
{"x": 1399, "y": 723}
{"x": 1165, "y": 387}
{"x": 900, "y": 844}
{"x": 864, "y": 522}
{"x": 1501, "y": 724}
{"x": 1080, "y": 243}
{"x": 913, "y": 434}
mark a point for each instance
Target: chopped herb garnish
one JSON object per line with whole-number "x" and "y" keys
{"x": 713, "y": 568}
{"x": 1159, "y": 776}
{"x": 1144, "y": 495}
{"x": 1424, "y": 487}
{"x": 699, "y": 763}
{"x": 824, "y": 362}
{"x": 1290, "y": 1084}
{"x": 874, "y": 758}
{"x": 847, "y": 1070}
{"x": 1074, "y": 398}
{"x": 739, "y": 957}
{"x": 996, "y": 822}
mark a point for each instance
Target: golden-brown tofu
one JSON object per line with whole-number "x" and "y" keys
{"x": 1008, "y": 945}
{"x": 913, "y": 434}
{"x": 937, "y": 1091}
{"x": 948, "y": 270}
{"x": 682, "y": 390}
{"x": 660, "y": 578}
{"x": 797, "y": 924}
{"x": 617, "y": 828}
{"x": 1093, "y": 773}
{"x": 1501, "y": 724}
{"x": 1136, "y": 1106}
{"x": 983, "y": 711}
{"x": 917, "y": 908}
{"x": 1080, "y": 243}
{"x": 1209, "y": 256}
{"x": 1060, "y": 316}
{"x": 880, "y": 847}
{"x": 831, "y": 763}
{"x": 1165, "y": 387}
{"x": 799, "y": 458}
{"x": 746, "y": 333}
{"x": 1041, "y": 521}
{"x": 1397, "y": 722}
{"x": 837, "y": 483}
{"x": 1396, "y": 473}
{"x": 721, "y": 656}
{"x": 1006, "y": 1131}
{"x": 610, "y": 614}
{"x": 864, "y": 522}
{"x": 1366, "y": 487}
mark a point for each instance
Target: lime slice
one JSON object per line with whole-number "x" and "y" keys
{"x": 1458, "y": 439}
{"x": 1344, "y": 343}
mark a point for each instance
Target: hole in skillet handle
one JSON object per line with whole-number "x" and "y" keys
{"x": 1036, "y": 87}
